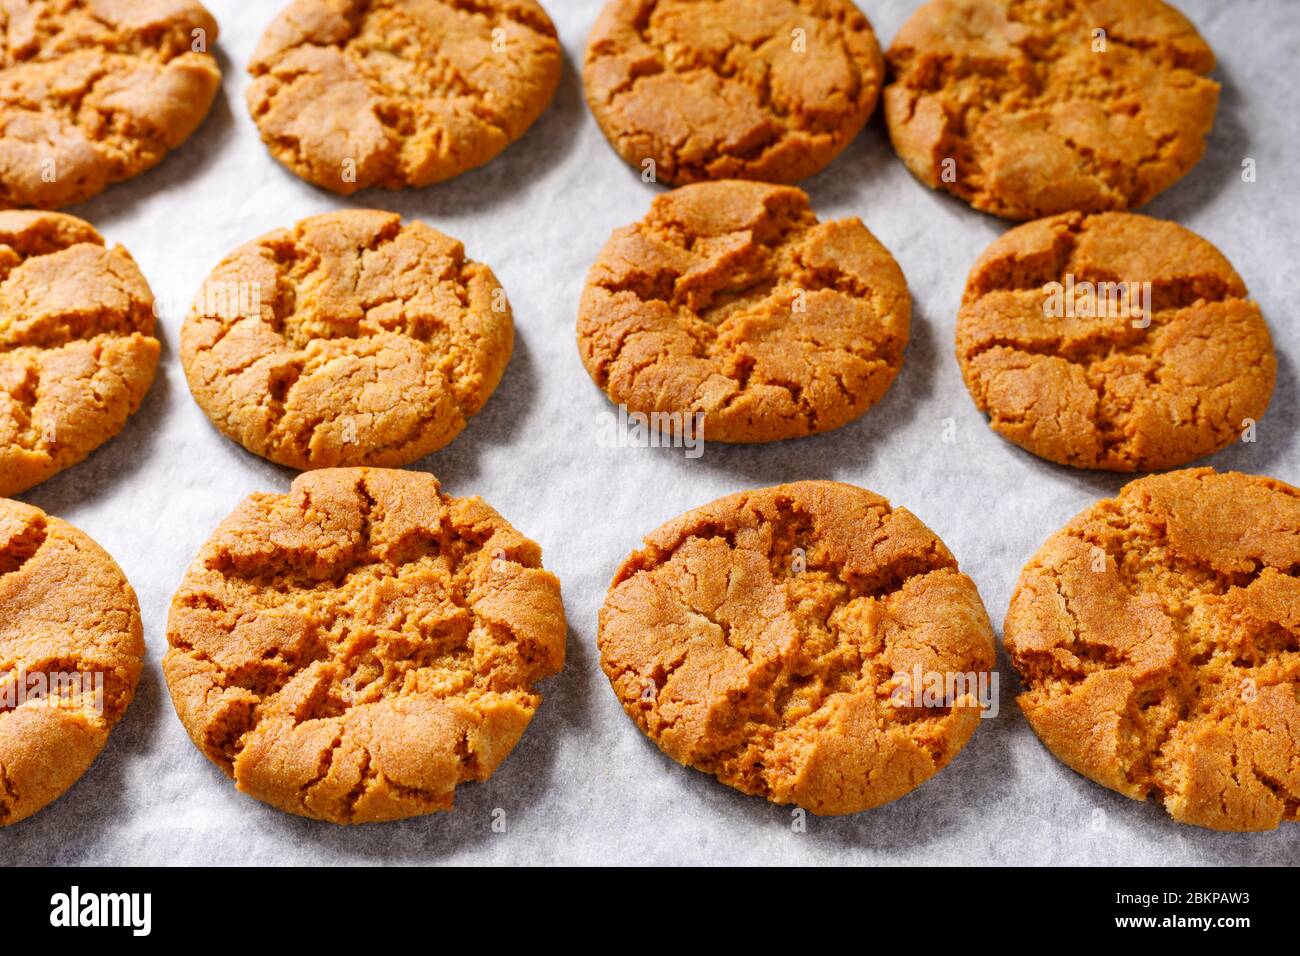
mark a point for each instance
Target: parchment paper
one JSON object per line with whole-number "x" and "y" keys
{"x": 584, "y": 785}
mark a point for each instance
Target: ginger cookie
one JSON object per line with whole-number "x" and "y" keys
{"x": 349, "y": 339}
{"x": 687, "y": 91}
{"x": 1113, "y": 341}
{"x": 1037, "y": 107}
{"x": 70, "y": 651}
{"x": 732, "y": 303}
{"x": 1157, "y": 636}
{"x": 96, "y": 91}
{"x": 77, "y": 346}
{"x": 785, "y": 640}
{"x": 353, "y": 650}
{"x": 396, "y": 93}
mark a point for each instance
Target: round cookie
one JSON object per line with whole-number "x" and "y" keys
{"x": 355, "y": 649}
{"x": 96, "y": 91}
{"x": 396, "y": 93}
{"x": 71, "y": 645}
{"x": 1157, "y": 636}
{"x": 764, "y": 89}
{"x": 731, "y": 301}
{"x": 1029, "y": 109}
{"x": 77, "y": 346}
{"x": 350, "y": 339}
{"x": 772, "y": 638}
{"x": 1113, "y": 341}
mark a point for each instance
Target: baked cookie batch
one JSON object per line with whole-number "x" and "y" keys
{"x": 356, "y": 648}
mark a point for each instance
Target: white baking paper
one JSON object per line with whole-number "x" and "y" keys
{"x": 584, "y": 785}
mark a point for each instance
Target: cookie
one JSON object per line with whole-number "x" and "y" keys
{"x": 775, "y": 638}
{"x": 1037, "y": 107}
{"x": 355, "y": 649}
{"x": 730, "y": 302}
{"x": 1113, "y": 341}
{"x": 687, "y": 91}
{"x": 96, "y": 91}
{"x": 70, "y": 651}
{"x": 1157, "y": 636}
{"x": 349, "y": 339}
{"x": 77, "y": 346}
{"x": 396, "y": 93}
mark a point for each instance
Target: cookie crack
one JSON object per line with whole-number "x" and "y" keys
{"x": 20, "y": 548}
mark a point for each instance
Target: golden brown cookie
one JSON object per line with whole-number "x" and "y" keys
{"x": 353, "y": 650}
{"x": 349, "y": 339}
{"x": 70, "y": 651}
{"x": 774, "y": 639}
{"x": 394, "y": 93}
{"x": 1158, "y": 639}
{"x": 96, "y": 91}
{"x": 1037, "y": 107}
{"x": 731, "y": 301}
{"x": 724, "y": 89}
{"x": 1113, "y": 341}
{"x": 77, "y": 346}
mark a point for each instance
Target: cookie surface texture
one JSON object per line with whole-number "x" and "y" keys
{"x": 723, "y": 89}
{"x": 1032, "y": 108}
{"x": 77, "y": 346}
{"x": 732, "y": 303}
{"x": 1113, "y": 341}
{"x": 1156, "y": 639}
{"x": 348, "y": 339}
{"x": 70, "y": 650}
{"x": 355, "y": 649}
{"x": 772, "y": 638}
{"x": 397, "y": 93}
{"x": 96, "y": 91}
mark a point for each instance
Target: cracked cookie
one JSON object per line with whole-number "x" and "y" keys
{"x": 77, "y": 346}
{"x": 716, "y": 89}
{"x": 71, "y": 644}
{"x": 771, "y": 639}
{"x": 1113, "y": 341}
{"x": 1157, "y": 636}
{"x": 397, "y": 93}
{"x": 349, "y": 339}
{"x": 1029, "y": 108}
{"x": 355, "y": 649}
{"x": 96, "y": 91}
{"x": 731, "y": 301}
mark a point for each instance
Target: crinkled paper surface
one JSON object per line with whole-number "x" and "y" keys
{"x": 584, "y": 786}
